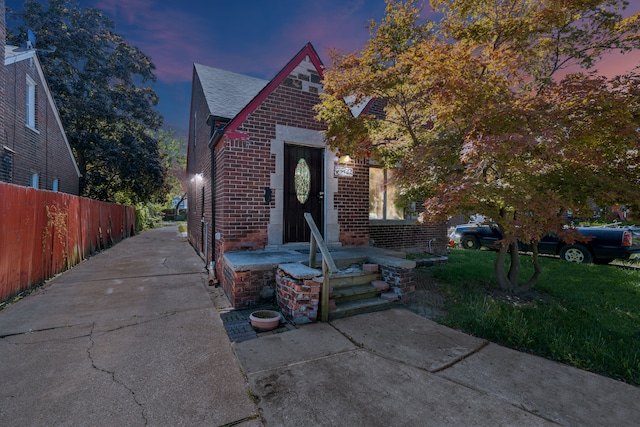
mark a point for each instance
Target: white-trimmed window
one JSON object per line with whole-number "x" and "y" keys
{"x": 35, "y": 180}
{"x": 6, "y": 164}
{"x": 31, "y": 103}
{"x": 383, "y": 196}
{"x": 55, "y": 184}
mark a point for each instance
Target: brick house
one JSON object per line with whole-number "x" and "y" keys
{"x": 34, "y": 150}
{"x": 257, "y": 151}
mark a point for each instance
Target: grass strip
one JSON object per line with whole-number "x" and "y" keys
{"x": 584, "y": 315}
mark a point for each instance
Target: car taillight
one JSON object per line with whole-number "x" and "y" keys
{"x": 626, "y": 238}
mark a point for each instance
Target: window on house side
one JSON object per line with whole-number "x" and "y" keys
{"x": 383, "y": 195}
{"x": 6, "y": 168}
{"x": 35, "y": 180}
{"x": 55, "y": 184}
{"x": 31, "y": 103}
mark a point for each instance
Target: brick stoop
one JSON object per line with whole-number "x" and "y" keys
{"x": 351, "y": 291}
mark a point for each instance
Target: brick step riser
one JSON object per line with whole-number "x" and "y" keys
{"x": 345, "y": 282}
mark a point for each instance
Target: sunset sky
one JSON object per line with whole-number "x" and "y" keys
{"x": 254, "y": 37}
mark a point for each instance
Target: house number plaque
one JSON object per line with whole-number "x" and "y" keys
{"x": 342, "y": 171}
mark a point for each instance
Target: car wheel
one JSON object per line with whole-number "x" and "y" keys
{"x": 576, "y": 253}
{"x": 470, "y": 242}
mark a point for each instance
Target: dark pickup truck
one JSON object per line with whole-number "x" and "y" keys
{"x": 601, "y": 245}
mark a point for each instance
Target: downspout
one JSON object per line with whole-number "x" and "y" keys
{"x": 216, "y": 136}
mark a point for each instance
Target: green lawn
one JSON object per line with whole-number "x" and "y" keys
{"x": 584, "y": 315}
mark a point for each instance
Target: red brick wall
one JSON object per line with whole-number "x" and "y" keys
{"x": 299, "y": 299}
{"x": 376, "y": 108}
{"x": 247, "y": 288}
{"x": 199, "y": 162}
{"x": 285, "y": 106}
{"x": 403, "y": 280}
{"x": 43, "y": 151}
{"x": 245, "y": 167}
{"x": 352, "y": 203}
{"x": 410, "y": 238}
{"x": 243, "y": 171}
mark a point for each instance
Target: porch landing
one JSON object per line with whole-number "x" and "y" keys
{"x": 282, "y": 276}
{"x": 269, "y": 259}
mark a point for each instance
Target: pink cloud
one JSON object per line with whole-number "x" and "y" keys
{"x": 129, "y": 10}
{"x": 616, "y": 64}
{"x": 323, "y": 24}
{"x": 175, "y": 39}
{"x": 170, "y": 37}
{"x": 342, "y": 27}
{"x": 632, "y": 9}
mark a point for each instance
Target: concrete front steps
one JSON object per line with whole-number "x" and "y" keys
{"x": 353, "y": 293}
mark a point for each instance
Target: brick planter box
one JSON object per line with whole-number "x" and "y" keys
{"x": 298, "y": 295}
{"x": 402, "y": 281}
{"x": 247, "y": 289}
{"x": 399, "y": 273}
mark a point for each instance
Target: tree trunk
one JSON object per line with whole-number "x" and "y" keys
{"x": 498, "y": 267}
{"x": 82, "y": 167}
{"x": 536, "y": 270}
{"x": 514, "y": 269}
{"x": 184, "y": 196}
{"x": 509, "y": 282}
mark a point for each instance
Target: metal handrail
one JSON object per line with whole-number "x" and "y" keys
{"x": 328, "y": 265}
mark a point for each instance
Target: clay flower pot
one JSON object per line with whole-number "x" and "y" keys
{"x": 265, "y": 320}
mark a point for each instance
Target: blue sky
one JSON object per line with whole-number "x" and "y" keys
{"x": 254, "y": 37}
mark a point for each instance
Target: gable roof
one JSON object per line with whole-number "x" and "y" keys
{"x": 11, "y": 57}
{"x": 227, "y": 93}
{"x": 237, "y": 112}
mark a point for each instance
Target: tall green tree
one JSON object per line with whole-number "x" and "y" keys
{"x": 482, "y": 113}
{"x": 174, "y": 150}
{"x": 102, "y": 87}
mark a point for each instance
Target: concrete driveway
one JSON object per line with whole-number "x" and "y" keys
{"x": 129, "y": 337}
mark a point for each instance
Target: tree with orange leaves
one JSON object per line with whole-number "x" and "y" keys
{"x": 482, "y": 114}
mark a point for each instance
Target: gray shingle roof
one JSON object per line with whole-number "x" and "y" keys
{"x": 227, "y": 93}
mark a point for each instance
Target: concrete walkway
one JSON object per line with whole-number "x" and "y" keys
{"x": 129, "y": 337}
{"x": 132, "y": 337}
{"x": 395, "y": 368}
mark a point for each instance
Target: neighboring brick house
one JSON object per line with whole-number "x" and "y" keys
{"x": 260, "y": 144}
{"x": 34, "y": 150}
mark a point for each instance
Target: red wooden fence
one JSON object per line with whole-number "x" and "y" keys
{"x": 43, "y": 233}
